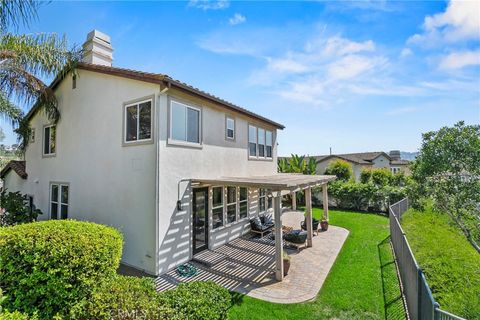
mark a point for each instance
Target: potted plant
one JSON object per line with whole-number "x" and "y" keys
{"x": 286, "y": 263}
{"x": 324, "y": 224}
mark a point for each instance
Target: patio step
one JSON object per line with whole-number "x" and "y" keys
{"x": 209, "y": 258}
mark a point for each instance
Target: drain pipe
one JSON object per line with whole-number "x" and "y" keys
{"x": 179, "y": 201}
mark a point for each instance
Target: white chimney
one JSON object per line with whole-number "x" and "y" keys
{"x": 98, "y": 49}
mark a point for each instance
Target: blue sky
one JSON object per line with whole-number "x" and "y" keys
{"x": 354, "y": 76}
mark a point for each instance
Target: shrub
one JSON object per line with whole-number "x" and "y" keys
{"x": 124, "y": 298}
{"x": 199, "y": 300}
{"x": 16, "y": 209}
{"x": 365, "y": 175}
{"x": 7, "y": 315}
{"x": 340, "y": 168}
{"x": 47, "y": 267}
{"x": 381, "y": 177}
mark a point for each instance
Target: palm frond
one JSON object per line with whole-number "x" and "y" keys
{"x": 8, "y": 110}
{"x": 17, "y": 12}
{"x": 41, "y": 54}
{"x": 14, "y": 81}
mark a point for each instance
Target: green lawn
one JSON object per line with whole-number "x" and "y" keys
{"x": 362, "y": 283}
{"x": 451, "y": 265}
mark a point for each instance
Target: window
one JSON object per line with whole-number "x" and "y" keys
{"x": 252, "y": 141}
{"x": 260, "y": 143}
{"x": 269, "y": 138}
{"x": 394, "y": 170}
{"x": 185, "y": 123}
{"x": 138, "y": 121}
{"x": 58, "y": 201}
{"x": 217, "y": 207}
{"x": 231, "y": 204}
{"x": 230, "y": 128}
{"x": 243, "y": 202}
{"x": 264, "y": 201}
{"x": 32, "y": 135}
{"x": 49, "y": 136}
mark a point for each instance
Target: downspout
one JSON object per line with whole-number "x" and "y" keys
{"x": 157, "y": 176}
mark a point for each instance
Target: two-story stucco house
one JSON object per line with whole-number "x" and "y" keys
{"x": 146, "y": 154}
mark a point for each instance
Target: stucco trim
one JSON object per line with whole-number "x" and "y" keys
{"x": 152, "y": 121}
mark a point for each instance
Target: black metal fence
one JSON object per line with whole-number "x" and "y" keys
{"x": 420, "y": 303}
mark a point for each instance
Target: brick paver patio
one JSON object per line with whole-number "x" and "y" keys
{"x": 246, "y": 265}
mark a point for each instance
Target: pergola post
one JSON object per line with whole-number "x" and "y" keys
{"x": 294, "y": 200}
{"x": 308, "y": 203}
{"x": 325, "y": 200}
{"x": 277, "y": 212}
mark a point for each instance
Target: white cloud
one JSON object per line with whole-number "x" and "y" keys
{"x": 459, "y": 60}
{"x": 209, "y": 4}
{"x": 406, "y": 52}
{"x": 460, "y": 21}
{"x": 237, "y": 19}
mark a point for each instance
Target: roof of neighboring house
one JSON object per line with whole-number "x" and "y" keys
{"x": 359, "y": 158}
{"x": 399, "y": 162}
{"x": 17, "y": 166}
{"x": 161, "y": 79}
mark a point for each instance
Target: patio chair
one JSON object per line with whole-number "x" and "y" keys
{"x": 296, "y": 238}
{"x": 259, "y": 226}
{"x": 315, "y": 224}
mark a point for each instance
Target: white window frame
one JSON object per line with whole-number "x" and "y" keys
{"x": 170, "y": 133}
{"x": 226, "y": 128}
{"x": 152, "y": 120}
{"x": 256, "y": 141}
{"x": 230, "y": 204}
{"x": 395, "y": 170}
{"x": 267, "y": 145}
{"x": 257, "y": 156}
{"x": 59, "y": 199}
{"x": 240, "y": 202}
{"x": 219, "y": 206}
{"x": 50, "y": 154}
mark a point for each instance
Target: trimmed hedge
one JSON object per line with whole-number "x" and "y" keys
{"x": 199, "y": 300}
{"x": 47, "y": 267}
{"x": 124, "y": 298}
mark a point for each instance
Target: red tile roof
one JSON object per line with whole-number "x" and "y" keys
{"x": 17, "y": 166}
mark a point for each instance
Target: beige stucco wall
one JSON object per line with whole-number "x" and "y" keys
{"x": 217, "y": 157}
{"x": 116, "y": 185}
{"x": 109, "y": 183}
{"x": 13, "y": 182}
{"x": 381, "y": 162}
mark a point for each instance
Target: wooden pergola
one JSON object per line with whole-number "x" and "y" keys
{"x": 278, "y": 184}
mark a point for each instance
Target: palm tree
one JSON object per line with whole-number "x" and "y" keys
{"x": 26, "y": 58}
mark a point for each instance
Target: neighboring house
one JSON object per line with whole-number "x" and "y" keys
{"x": 365, "y": 160}
{"x": 129, "y": 151}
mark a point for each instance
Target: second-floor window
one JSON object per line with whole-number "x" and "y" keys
{"x": 138, "y": 121}
{"x": 260, "y": 143}
{"x": 230, "y": 128}
{"x": 49, "y": 137}
{"x": 184, "y": 122}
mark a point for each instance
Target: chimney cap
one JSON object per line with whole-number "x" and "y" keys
{"x": 98, "y": 35}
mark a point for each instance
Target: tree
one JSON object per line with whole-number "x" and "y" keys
{"x": 447, "y": 170}
{"x": 25, "y": 58}
{"x": 297, "y": 164}
{"x": 340, "y": 168}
